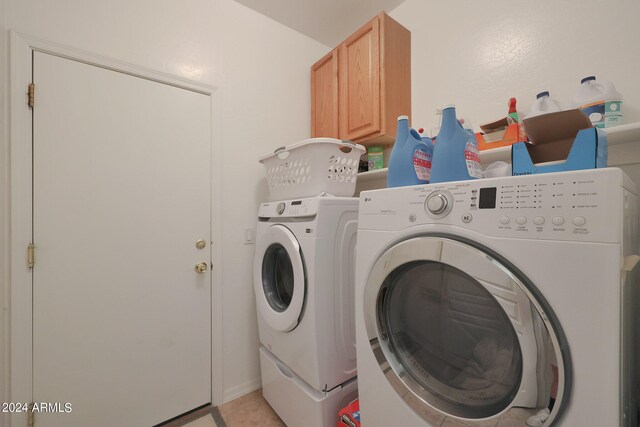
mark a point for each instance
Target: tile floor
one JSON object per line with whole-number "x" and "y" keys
{"x": 252, "y": 410}
{"x": 248, "y": 410}
{"x": 206, "y": 421}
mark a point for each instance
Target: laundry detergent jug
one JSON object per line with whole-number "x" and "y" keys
{"x": 544, "y": 105}
{"x": 455, "y": 153}
{"x": 600, "y": 101}
{"x": 410, "y": 161}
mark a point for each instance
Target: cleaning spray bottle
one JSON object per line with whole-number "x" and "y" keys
{"x": 513, "y": 116}
{"x": 410, "y": 162}
{"x": 455, "y": 154}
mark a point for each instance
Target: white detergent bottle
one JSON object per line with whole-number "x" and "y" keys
{"x": 544, "y": 105}
{"x": 600, "y": 101}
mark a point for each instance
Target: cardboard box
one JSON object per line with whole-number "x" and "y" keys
{"x": 560, "y": 141}
{"x": 499, "y": 134}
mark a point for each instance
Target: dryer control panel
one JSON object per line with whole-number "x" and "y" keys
{"x": 301, "y": 208}
{"x": 579, "y": 205}
{"x": 289, "y": 209}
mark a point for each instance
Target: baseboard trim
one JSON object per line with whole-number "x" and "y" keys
{"x": 241, "y": 389}
{"x": 187, "y": 417}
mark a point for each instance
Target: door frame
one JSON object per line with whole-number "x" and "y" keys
{"x": 18, "y": 351}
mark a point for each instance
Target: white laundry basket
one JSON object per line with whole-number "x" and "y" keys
{"x": 312, "y": 167}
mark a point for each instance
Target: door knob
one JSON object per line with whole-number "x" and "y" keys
{"x": 201, "y": 267}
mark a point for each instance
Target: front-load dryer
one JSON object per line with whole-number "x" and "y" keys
{"x": 479, "y": 301}
{"x": 304, "y": 272}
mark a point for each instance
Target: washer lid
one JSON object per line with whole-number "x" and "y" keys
{"x": 279, "y": 278}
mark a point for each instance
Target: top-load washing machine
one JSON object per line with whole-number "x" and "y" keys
{"x": 478, "y": 302}
{"x": 304, "y": 272}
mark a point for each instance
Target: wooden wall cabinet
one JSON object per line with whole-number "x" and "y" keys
{"x": 360, "y": 88}
{"x": 324, "y": 96}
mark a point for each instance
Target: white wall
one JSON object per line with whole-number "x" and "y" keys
{"x": 262, "y": 69}
{"x": 477, "y": 54}
{"x": 473, "y": 54}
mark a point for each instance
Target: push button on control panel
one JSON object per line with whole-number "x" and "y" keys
{"x": 579, "y": 221}
{"x": 557, "y": 220}
{"x": 521, "y": 220}
{"x": 504, "y": 220}
{"x": 538, "y": 220}
{"x": 466, "y": 218}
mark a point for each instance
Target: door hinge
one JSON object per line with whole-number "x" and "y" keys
{"x": 31, "y": 256}
{"x": 31, "y": 93}
{"x": 31, "y": 418}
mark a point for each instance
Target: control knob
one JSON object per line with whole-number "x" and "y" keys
{"x": 438, "y": 204}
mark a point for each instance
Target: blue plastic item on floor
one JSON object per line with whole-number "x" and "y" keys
{"x": 455, "y": 154}
{"x": 410, "y": 162}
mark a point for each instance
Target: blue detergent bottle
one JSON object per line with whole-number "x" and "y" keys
{"x": 410, "y": 162}
{"x": 455, "y": 155}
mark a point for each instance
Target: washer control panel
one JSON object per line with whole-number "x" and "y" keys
{"x": 579, "y": 205}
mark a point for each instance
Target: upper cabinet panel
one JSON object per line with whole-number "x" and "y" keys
{"x": 324, "y": 96}
{"x": 373, "y": 84}
{"x": 360, "y": 77}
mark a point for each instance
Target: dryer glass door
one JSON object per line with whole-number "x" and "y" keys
{"x": 279, "y": 278}
{"x": 452, "y": 336}
{"x": 462, "y": 333}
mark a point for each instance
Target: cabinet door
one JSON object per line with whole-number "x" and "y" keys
{"x": 324, "y": 97}
{"x": 360, "y": 82}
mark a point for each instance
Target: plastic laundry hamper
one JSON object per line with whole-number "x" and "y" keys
{"x": 313, "y": 166}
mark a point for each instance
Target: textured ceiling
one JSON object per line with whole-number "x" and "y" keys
{"x": 327, "y": 21}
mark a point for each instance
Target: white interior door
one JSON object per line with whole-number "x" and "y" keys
{"x": 121, "y": 194}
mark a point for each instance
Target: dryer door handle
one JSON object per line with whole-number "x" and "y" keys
{"x": 630, "y": 262}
